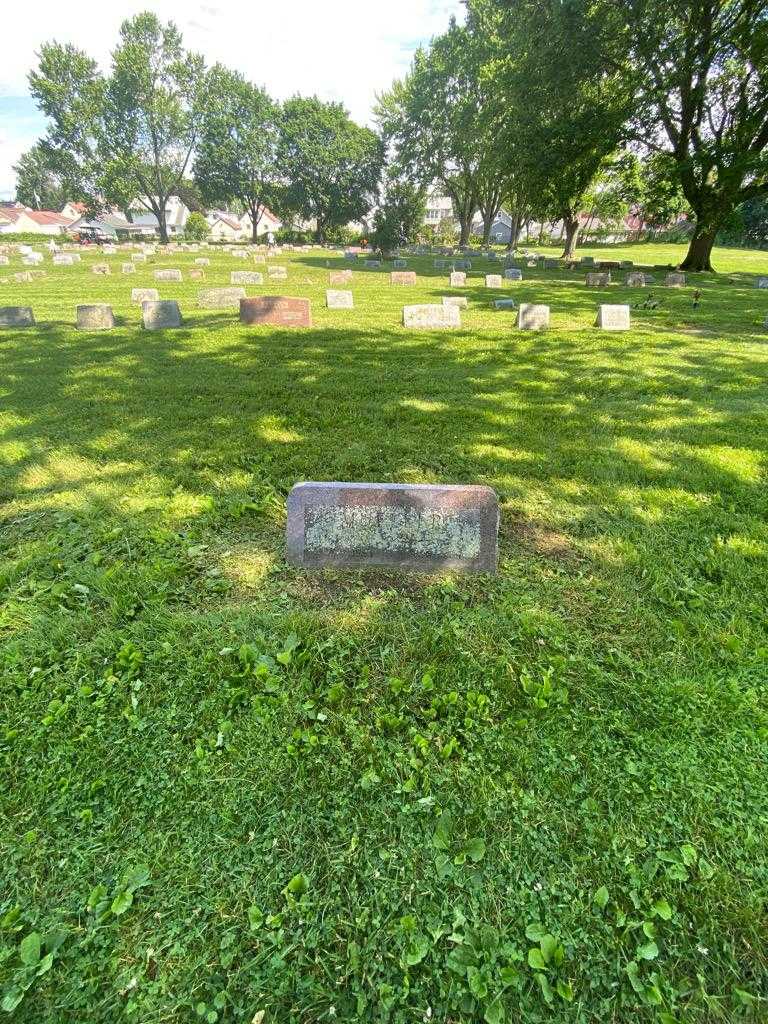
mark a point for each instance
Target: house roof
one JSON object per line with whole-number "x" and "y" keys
{"x": 48, "y": 217}
{"x": 229, "y": 221}
{"x": 80, "y": 207}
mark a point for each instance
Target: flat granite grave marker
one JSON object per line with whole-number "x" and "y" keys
{"x": 339, "y": 277}
{"x": 636, "y": 280}
{"x": 246, "y": 277}
{"x": 402, "y": 277}
{"x": 197, "y": 274}
{"x": 101, "y": 268}
{"x": 138, "y": 257}
{"x": 23, "y": 277}
{"x": 456, "y": 300}
{"x": 513, "y": 274}
{"x": 505, "y": 304}
{"x": 532, "y": 317}
{"x": 156, "y": 316}
{"x": 16, "y": 316}
{"x": 277, "y": 273}
{"x": 168, "y": 275}
{"x": 339, "y": 299}
{"x": 598, "y": 280}
{"x": 613, "y": 318}
{"x": 220, "y": 298}
{"x": 493, "y": 280}
{"x": 400, "y": 264}
{"x": 98, "y": 317}
{"x": 202, "y": 261}
{"x": 140, "y": 295}
{"x": 259, "y": 260}
{"x": 762, "y": 282}
{"x": 63, "y": 259}
{"x": 675, "y": 280}
{"x": 128, "y": 268}
{"x": 458, "y": 279}
{"x": 422, "y": 527}
{"x": 277, "y": 310}
{"x": 431, "y": 316}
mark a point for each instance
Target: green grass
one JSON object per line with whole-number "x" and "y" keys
{"x": 541, "y": 796}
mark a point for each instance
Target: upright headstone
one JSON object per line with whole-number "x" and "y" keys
{"x": 601, "y": 280}
{"x": 246, "y": 277}
{"x": 505, "y": 304}
{"x": 431, "y": 316}
{"x": 202, "y": 261}
{"x": 98, "y": 317}
{"x": 62, "y": 259}
{"x": 138, "y": 257}
{"x": 762, "y": 282}
{"x": 259, "y": 260}
{"x": 101, "y": 268}
{"x": 493, "y": 281}
{"x": 400, "y": 264}
{"x": 141, "y": 295}
{"x": 168, "y": 275}
{"x": 128, "y": 268}
{"x": 513, "y": 274}
{"x": 338, "y": 299}
{"x": 339, "y": 277}
{"x": 613, "y": 318}
{"x": 220, "y": 298}
{"x": 455, "y": 300}
{"x": 675, "y": 280}
{"x": 156, "y": 316}
{"x": 636, "y": 280}
{"x": 458, "y": 279}
{"x": 197, "y": 274}
{"x": 276, "y": 310}
{"x": 277, "y": 273}
{"x": 23, "y": 277}
{"x": 423, "y": 527}
{"x": 16, "y": 316}
{"x": 407, "y": 277}
{"x": 532, "y": 317}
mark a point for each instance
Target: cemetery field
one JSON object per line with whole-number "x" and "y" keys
{"x": 234, "y": 790}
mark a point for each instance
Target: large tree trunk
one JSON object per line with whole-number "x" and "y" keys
{"x": 699, "y": 255}
{"x": 465, "y": 225}
{"x": 162, "y": 226}
{"x": 572, "y": 228}
{"x": 487, "y": 225}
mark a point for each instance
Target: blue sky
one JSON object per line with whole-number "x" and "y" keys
{"x": 345, "y": 50}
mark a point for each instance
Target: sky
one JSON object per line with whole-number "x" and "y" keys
{"x": 345, "y": 50}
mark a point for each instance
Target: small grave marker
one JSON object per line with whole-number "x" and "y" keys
{"x": 458, "y": 279}
{"x": 493, "y": 281}
{"x": 339, "y": 277}
{"x": 339, "y": 299}
{"x": 513, "y": 274}
{"x": 277, "y": 310}
{"x": 98, "y": 317}
{"x": 675, "y": 280}
{"x": 455, "y": 300}
{"x": 157, "y": 316}
{"x": 101, "y": 268}
{"x": 168, "y": 275}
{"x": 431, "y": 316}
{"x": 220, "y": 298}
{"x": 246, "y": 277}
{"x": 505, "y": 304}
{"x": 601, "y": 280}
{"x": 140, "y": 295}
{"x": 16, "y": 316}
{"x": 406, "y": 277}
{"x": 423, "y": 527}
{"x": 613, "y": 318}
{"x": 532, "y": 317}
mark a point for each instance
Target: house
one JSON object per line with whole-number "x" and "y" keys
{"x": 225, "y": 227}
{"x": 107, "y": 225}
{"x": 439, "y": 208}
{"x": 176, "y": 215}
{"x": 74, "y": 211}
{"x": 20, "y": 219}
{"x": 267, "y": 222}
{"x": 501, "y": 229}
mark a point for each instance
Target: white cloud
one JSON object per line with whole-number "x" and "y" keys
{"x": 346, "y": 50}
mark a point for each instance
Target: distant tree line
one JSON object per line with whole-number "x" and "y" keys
{"x": 548, "y": 109}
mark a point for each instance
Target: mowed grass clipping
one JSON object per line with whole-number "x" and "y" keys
{"x": 235, "y": 791}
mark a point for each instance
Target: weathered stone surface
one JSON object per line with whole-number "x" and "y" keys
{"x": 5, "y": 261}
{"x": 598, "y": 280}
{"x": 455, "y": 300}
{"x": 551, "y": 264}
{"x": 431, "y": 316}
{"x": 101, "y": 268}
{"x": 277, "y": 310}
{"x": 139, "y": 257}
{"x": 532, "y": 317}
{"x": 762, "y": 282}
{"x": 505, "y": 304}
{"x": 374, "y": 264}
{"x": 220, "y": 298}
{"x": 128, "y": 268}
{"x": 62, "y": 259}
{"x": 277, "y": 273}
{"x": 246, "y": 277}
{"x": 457, "y": 279}
{"x": 422, "y": 527}
{"x": 156, "y": 316}
{"x": 402, "y": 277}
{"x": 636, "y": 280}
{"x": 400, "y": 264}
{"x": 197, "y": 274}
{"x": 168, "y": 275}
{"x": 141, "y": 295}
{"x": 588, "y": 261}
{"x": 22, "y": 277}
{"x": 16, "y": 316}
{"x": 493, "y": 281}
{"x": 98, "y": 317}
{"x": 513, "y": 274}
{"x": 339, "y": 277}
{"x": 675, "y": 280}
{"x": 339, "y": 299}
{"x": 202, "y": 261}
{"x": 462, "y": 265}
{"x": 259, "y": 260}
{"x": 626, "y": 264}
{"x": 613, "y": 318}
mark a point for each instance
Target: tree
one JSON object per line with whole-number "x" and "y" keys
{"x": 237, "y": 155}
{"x": 38, "y": 185}
{"x": 401, "y": 214}
{"x": 331, "y": 164}
{"x": 662, "y": 201}
{"x": 701, "y": 73}
{"x": 196, "y": 228}
{"x": 566, "y": 109}
{"x": 128, "y": 136}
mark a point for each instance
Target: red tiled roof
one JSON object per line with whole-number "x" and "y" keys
{"x": 48, "y": 217}
{"x": 234, "y": 224}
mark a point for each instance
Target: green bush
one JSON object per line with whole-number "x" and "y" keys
{"x": 196, "y": 229}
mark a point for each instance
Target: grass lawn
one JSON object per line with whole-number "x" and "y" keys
{"x": 235, "y": 791}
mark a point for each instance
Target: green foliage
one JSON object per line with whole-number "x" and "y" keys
{"x": 237, "y": 152}
{"x": 38, "y": 184}
{"x": 243, "y": 790}
{"x": 331, "y": 164}
{"x": 400, "y": 215}
{"x": 196, "y": 229}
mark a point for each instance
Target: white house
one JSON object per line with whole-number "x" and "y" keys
{"x": 439, "y": 208}
{"x": 225, "y": 227}
{"x": 17, "y": 219}
{"x": 267, "y": 222}
{"x": 74, "y": 211}
{"x": 176, "y": 215}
